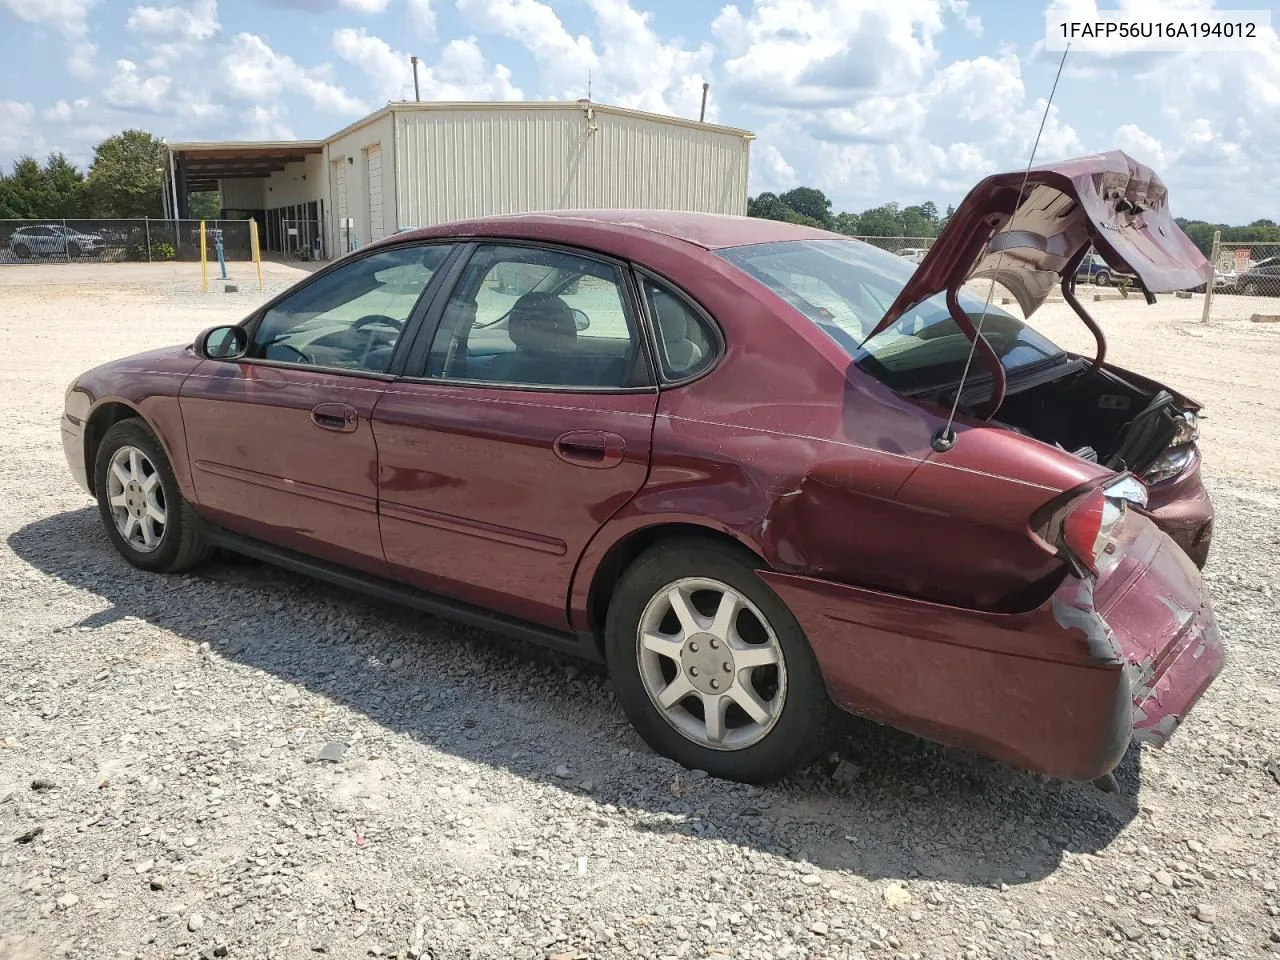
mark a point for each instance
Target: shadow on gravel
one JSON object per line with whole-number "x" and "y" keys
{"x": 910, "y": 809}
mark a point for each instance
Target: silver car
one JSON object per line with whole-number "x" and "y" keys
{"x": 54, "y": 239}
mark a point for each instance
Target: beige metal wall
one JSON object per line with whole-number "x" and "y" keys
{"x": 458, "y": 163}
{"x": 352, "y": 149}
{"x": 242, "y": 193}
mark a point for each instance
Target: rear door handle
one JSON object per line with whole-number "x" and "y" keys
{"x": 590, "y": 448}
{"x": 339, "y": 417}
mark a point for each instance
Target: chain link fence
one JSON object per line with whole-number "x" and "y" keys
{"x": 1246, "y": 281}
{"x": 909, "y": 248}
{"x": 108, "y": 241}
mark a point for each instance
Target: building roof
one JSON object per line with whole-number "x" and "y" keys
{"x": 205, "y": 162}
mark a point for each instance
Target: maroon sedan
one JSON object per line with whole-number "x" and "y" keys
{"x": 760, "y": 470}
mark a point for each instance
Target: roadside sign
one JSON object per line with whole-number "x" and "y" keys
{"x": 1242, "y": 258}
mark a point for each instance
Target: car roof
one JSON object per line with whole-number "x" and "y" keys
{"x": 710, "y": 231}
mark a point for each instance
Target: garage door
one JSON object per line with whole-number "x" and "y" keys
{"x": 374, "y": 160}
{"x": 338, "y": 171}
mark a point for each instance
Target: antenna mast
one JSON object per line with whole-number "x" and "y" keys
{"x": 945, "y": 438}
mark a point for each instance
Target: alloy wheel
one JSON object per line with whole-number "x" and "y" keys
{"x": 136, "y": 497}
{"x": 711, "y": 663}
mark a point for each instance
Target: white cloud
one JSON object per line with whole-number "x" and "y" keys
{"x": 14, "y": 118}
{"x": 129, "y": 89}
{"x": 266, "y": 122}
{"x": 793, "y": 52}
{"x": 175, "y": 33}
{"x": 366, "y": 6}
{"x": 71, "y": 19}
{"x": 251, "y": 70}
{"x": 565, "y": 60}
{"x": 770, "y": 171}
{"x": 637, "y": 68}
{"x": 629, "y": 64}
{"x": 422, "y": 18}
{"x": 460, "y": 74}
{"x": 199, "y": 21}
{"x": 62, "y": 111}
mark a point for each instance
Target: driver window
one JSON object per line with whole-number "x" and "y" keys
{"x": 351, "y": 317}
{"x": 535, "y": 317}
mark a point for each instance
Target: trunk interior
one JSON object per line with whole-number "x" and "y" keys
{"x": 1096, "y": 415}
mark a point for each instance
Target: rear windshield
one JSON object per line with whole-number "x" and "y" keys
{"x": 846, "y": 286}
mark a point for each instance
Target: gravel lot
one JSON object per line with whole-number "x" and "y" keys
{"x": 243, "y": 763}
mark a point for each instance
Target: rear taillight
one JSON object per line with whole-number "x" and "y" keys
{"x": 1089, "y": 528}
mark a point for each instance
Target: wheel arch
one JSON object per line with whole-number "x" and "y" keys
{"x": 104, "y": 416}
{"x": 604, "y": 573}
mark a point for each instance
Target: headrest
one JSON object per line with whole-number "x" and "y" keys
{"x": 542, "y": 323}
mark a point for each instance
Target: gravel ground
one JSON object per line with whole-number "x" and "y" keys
{"x": 244, "y": 763}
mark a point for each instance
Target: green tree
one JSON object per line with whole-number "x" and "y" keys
{"x": 809, "y": 202}
{"x": 206, "y": 205}
{"x": 768, "y": 206}
{"x": 846, "y": 223}
{"x": 916, "y": 222}
{"x": 127, "y": 175}
{"x": 883, "y": 221}
{"x": 20, "y": 189}
{"x": 930, "y": 210}
{"x": 1263, "y": 223}
{"x": 31, "y": 191}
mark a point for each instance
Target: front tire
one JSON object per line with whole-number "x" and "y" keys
{"x": 1102, "y": 279}
{"x": 74, "y": 252}
{"x": 145, "y": 515}
{"x": 21, "y": 251}
{"x": 711, "y": 667}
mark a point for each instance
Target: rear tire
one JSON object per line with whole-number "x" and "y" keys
{"x": 21, "y": 251}
{"x": 73, "y": 251}
{"x": 145, "y": 515}
{"x": 744, "y": 698}
{"x": 1102, "y": 279}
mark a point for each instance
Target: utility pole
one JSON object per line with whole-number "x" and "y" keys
{"x": 416, "y": 95}
{"x": 702, "y": 117}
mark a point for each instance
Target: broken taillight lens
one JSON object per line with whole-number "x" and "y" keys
{"x": 1088, "y": 530}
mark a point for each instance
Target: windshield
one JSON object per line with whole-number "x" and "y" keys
{"x": 846, "y": 286}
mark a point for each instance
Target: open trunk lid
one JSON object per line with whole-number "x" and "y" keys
{"x": 1027, "y": 238}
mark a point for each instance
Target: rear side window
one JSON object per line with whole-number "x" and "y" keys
{"x": 686, "y": 342}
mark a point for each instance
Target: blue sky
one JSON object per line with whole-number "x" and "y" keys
{"x": 870, "y": 100}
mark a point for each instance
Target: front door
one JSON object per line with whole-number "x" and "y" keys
{"x": 280, "y": 442}
{"x": 527, "y": 426}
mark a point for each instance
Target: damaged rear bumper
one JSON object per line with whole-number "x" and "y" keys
{"x": 1162, "y": 700}
{"x": 1061, "y": 690}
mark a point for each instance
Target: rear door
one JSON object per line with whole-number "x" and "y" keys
{"x": 526, "y": 424}
{"x": 280, "y": 442}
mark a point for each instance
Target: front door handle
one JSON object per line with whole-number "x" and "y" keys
{"x": 590, "y": 448}
{"x": 339, "y": 417}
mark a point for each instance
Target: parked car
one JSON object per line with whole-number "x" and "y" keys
{"x": 54, "y": 239}
{"x": 1260, "y": 281}
{"x": 914, "y": 254}
{"x": 736, "y": 484}
{"x": 1094, "y": 268}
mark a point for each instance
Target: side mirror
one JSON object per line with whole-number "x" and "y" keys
{"x": 580, "y": 319}
{"x": 222, "y": 343}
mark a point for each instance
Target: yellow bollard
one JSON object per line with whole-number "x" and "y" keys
{"x": 257, "y": 250}
{"x": 204, "y": 261}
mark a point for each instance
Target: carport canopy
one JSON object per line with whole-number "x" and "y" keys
{"x": 201, "y": 165}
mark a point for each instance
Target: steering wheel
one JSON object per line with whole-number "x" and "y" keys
{"x": 306, "y": 358}
{"x": 377, "y": 319}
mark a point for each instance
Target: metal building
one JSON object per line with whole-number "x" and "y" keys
{"x": 416, "y": 164}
